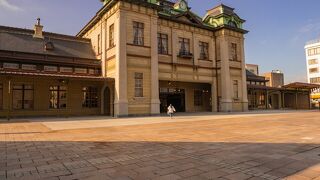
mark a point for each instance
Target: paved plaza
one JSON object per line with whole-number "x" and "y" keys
{"x": 264, "y": 145}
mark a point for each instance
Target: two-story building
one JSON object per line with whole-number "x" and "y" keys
{"x": 132, "y": 58}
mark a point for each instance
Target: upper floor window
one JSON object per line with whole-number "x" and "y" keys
{"x": 138, "y": 84}
{"x": 162, "y": 43}
{"x": 98, "y": 44}
{"x": 204, "y": 50}
{"x": 90, "y": 97}
{"x": 233, "y": 52}
{"x": 313, "y": 70}
{"x": 111, "y": 36}
{"x": 313, "y": 51}
{"x": 184, "y": 46}
{"x": 138, "y": 33}
{"x": 22, "y": 96}
{"x": 235, "y": 89}
{"x": 312, "y": 61}
{"x": 58, "y": 97}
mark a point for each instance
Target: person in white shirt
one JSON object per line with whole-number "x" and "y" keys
{"x": 171, "y": 110}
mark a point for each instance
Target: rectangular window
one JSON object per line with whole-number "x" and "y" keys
{"x": 10, "y": 66}
{"x": 1, "y": 96}
{"x": 98, "y": 43}
{"x": 80, "y": 70}
{"x": 138, "y": 33}
{"x": 204, "y": 50}
{"x": 66, "y": 69}
{"x": 50, "y": 68}
{"x": 198, "y": 98}
{"x": 162, "y": 43}
{"x": 58, "y": 97}
{"x": 29, "y": 67}
{"x": 312, "y": 61}
{"x": 233, "y": 52}
{"x": 313, "y": 70}
{"x": 22, "y": 96}
{"x": 90, "y": 97}
{"x": 235, "y": 89}
{"x": 315, "y": 80}
{"x": 111, "y": 36}
{"x": 138, "y": 85}
{"x": 184, "y": 46}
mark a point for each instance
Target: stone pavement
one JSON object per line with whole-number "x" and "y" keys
{"x": 245, "y": 146}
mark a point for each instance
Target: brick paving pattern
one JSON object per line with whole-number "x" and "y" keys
{"x": 262, "y": 147}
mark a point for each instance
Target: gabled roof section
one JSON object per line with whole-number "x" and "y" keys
{"x": 190, "y": 17}
{"x": 22, "y": 40}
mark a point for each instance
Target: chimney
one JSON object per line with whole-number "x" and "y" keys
{"x": 38, "y": 30}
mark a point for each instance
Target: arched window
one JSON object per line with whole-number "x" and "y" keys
{"x": 232, "y": 24}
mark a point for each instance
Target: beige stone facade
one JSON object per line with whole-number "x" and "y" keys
{"x": 223, "y": 78}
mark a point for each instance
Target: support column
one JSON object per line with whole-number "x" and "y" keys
{"x": 214, "y": 96}
{"x": 226, "y": 93}
{"x": 155, "y": 102}
{"x": 121, "y": 96}
{"x": 244, "y": 79}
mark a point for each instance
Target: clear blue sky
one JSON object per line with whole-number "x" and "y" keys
{"x": 278, "y": 28}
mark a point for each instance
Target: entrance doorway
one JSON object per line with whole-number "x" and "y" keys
{"x": 173, "y": 96}
{"x": 107, "y": 101}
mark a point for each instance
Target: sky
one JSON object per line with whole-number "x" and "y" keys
{"x": 278, "y": 29}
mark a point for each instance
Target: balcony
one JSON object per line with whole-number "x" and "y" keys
{"x": 185, "y": 54}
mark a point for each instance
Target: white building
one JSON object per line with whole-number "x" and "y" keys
{"x": 312, "y": 50}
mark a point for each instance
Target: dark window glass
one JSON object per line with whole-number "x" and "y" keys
{"x": 204, "y": 50}
{"x": 58, "y": 97}
{"x": 22, "y": 96}
{"x": 111, "y": 36}
{"x": 138, "y": 84}
{"x": 198, "y": 98}
{"x": 162, "y": 43}
{"x": 138, "y": 33}
{"x": 184, "y": 46}
{"x": 90, "y": 97}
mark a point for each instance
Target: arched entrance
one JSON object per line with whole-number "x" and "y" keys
{"x": 107, "y": 101}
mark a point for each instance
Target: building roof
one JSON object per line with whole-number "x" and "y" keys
{"x": 167, "y": 11}
{"x": 300, "y": 85}
{"x": 22, "y": 40}
{"x": 253, "y": 77}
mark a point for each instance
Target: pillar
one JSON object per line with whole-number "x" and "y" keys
{"x": 121, "y": 79}
{"x": 244, "y": 79}
{"x": 226, "y": 93}
{"x": 155, "y": 102}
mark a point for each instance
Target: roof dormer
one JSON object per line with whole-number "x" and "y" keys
{"x": 223, "y": 15}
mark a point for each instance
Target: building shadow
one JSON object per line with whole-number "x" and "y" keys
{"x": 149, "y": 160}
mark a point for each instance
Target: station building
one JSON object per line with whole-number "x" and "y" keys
{"x": 132, "y": 58}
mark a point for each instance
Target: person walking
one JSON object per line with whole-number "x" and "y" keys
{"x": 171, "y": 110}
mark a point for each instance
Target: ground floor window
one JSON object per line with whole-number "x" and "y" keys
{"x": 58, "y": 97}
{"x": 198, "y": 98}
{"x": 90, "y": 97}
{"x": 1, "y": 96}
{"x": 138, "y": 84}
{"x": 22, "y": 96}
{"x": 235, "y": 89}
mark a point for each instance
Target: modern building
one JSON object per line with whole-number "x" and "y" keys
{"x": 275, "y": 78}
{"x": 132, "y": 58}
{"x": 312, "y": 49}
